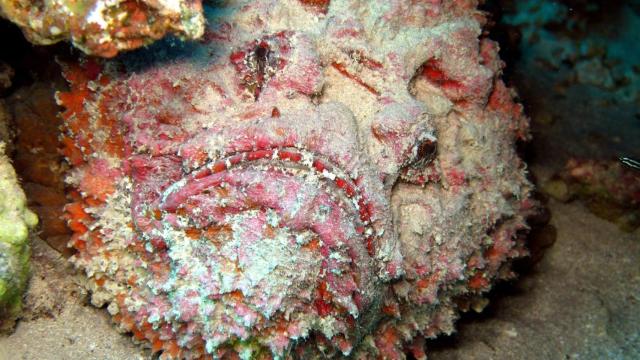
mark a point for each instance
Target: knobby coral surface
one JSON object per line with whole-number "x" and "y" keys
{"x": 104, "y": 27}
{"x": 312, "y": 179}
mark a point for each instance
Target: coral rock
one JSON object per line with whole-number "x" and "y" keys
{"x": 312, "y": 179}
{"x": 610, "y": 190}
{"x": 38, "y": 161}
{"x": 102, "y": 27}
{"x": 15, "y": 222}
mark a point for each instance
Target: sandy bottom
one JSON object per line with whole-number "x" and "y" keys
{"x": 581, "y": 301}
{"x": 59, "y": 323}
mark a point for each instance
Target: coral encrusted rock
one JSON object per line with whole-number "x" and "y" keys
{"x": 104, "y": 27}
{"x": 311, "y": 179}
{"x": 15, "y": 222}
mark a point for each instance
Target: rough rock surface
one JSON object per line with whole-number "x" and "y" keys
{"x": 37, "y": 159}
{"x": 104, "y": 27}
{"x": 15, "y": 222}
{"x": 611, "y": 190}
{"x": 6, "y": 135}
{"x": 312, "y": 179}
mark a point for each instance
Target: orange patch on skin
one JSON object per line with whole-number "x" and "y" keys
{"x": 193, "y": 233}
{"x": 423, "y": 283}
{"x": 138, "y": 334}
{"x": 323, "y": 292}
{"x": 391, "y": 310}
{"x": 322, "y": 307}
{"x": 115, "y": 146}
{"x": 316, "y": 2}
{"x": 146, "y": 327}
{"x": 74, "y": 115}
{"x": 172, "y": 348}
{"x": 390, "y": 336}
{"x": 321, "y": 5}
{"x": 127, "y": 322}
{"x": 236, "y": 295}
{"x": 75, "y": 210}
{"x": 97, "y": 240}
{"x": 493, "y": 254}
{"x": 132, "y": 280}
{"x": 79, "y": 245}
{"x": 269, "y": 232}
{"x": 312, "y": 245}
{"x": 77, "y": 227}
{"x": 92, "y": 202}
{"x": 97, "y": 186}
{"x": 71, "y": 152}
{"x": 218, "y": 167}
{"x": 157, "y": 345}
{"x": 104, "y": 80}
{"x": 201, "y": 157}
{"x": 159, "y": 268}
{"x": 322, "y": 303}
{"x": 222, "y": 192}
{"x": 213, "y": 233}
{"x": 478, "y": 282}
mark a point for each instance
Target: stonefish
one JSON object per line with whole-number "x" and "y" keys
{"x": 311, "y": 179}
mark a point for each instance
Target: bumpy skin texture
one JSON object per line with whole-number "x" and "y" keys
{"x": 312, "y": 179}
{"x": 104, "y": 27}
{"x": 15, "y": 222}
